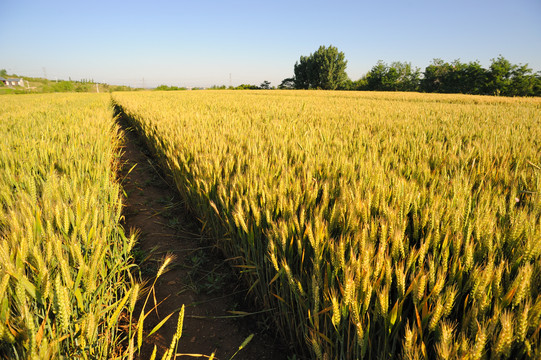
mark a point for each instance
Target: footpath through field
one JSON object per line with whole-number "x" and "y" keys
{"x": 216, "y": 319}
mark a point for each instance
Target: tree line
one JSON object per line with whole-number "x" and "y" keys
{"x": 325, "y": 69}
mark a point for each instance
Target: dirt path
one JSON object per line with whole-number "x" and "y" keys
{"x": 198, "y": 277}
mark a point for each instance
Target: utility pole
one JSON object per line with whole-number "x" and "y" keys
{"x": 44, "y": 72}
{"x": 97, "y": 88}
{"x": 230, "y": 83}
{"x": 143, "y": 83}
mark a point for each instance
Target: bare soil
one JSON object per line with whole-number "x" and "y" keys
{"x": 198, "y": 277}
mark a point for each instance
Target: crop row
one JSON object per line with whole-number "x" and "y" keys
{"x": 373, "y": 224}
{"x": 65, "y": 277}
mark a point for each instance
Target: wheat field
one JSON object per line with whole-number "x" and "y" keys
{"x": 374, "y": 225}
{"x": 369, "y": 225}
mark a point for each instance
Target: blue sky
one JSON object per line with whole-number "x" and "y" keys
{"x": 202, "y": 42}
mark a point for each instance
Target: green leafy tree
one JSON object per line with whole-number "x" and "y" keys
{"x": 455, "y": 77}
{"x": 324, "y": 69}
{"x": 405, "y": 77}
{"x": 304, "y": 73}
{"x": 522, "y": 81}
{"x": 246, "y": 87}
{"x": 265, "y": 85}
{"x": 537, "y": 84}
{"x": 376, "y": 76}
{"x": 435, "y": 77}
{"x": 399, "y": 76}
{"x": 473, "y": 78}
{"x": 169, "y": 88}
{"x": 509, "y": 79}
{"x": 288, "y": 83}
{"x": 360, "y": 84}
{"x": 500, "y": 73}
{"x": 502, "y": 78}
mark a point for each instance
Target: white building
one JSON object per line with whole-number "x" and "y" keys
{"x": 12, "y": 82}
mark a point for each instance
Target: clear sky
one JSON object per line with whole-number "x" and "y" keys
{"x": 208, "y": 42}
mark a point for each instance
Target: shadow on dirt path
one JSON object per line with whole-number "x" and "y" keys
{"x": 198, "y": 277}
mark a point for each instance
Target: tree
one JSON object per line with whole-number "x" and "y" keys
{"x": 435, "y": 76}
{"x": 473, "y": 78}
{"x": 324, "y": 69}
{"x": 537, "y": 84}
{"x": 3, "y": 73}
{"x": 407, "y": 78}
{"x": 361, "y": 84}
{"x": 500, "y": 73}
{"x": 288, "y": 83}
{"x": 265, "y": 85}
{"x": 304, "y": 73}
{"x": 399, "y": 76}
{"x": 246, "y": 87}
{"x": 512, "y": 80}
{"x": 376, "y": 76}
{"x": 455, "y": 77}
{"x": 169, "y": 88}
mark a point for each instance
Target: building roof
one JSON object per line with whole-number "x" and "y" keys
{"x": 2, "y": 79}
{"x": 17, "y": 80}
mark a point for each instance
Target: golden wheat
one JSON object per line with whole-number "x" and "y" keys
{"x": 367, "y": 218}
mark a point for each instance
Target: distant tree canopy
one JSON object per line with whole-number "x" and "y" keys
{"x": 246, "y": 87}
{"x": 288, "y": 83}
{"x": 265, "y": 85}
{"x": 501, "y": 78}
{"x": 324, "y": 69}
{"x": 169, "y": 88}
{"x": 399, "y": 76}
